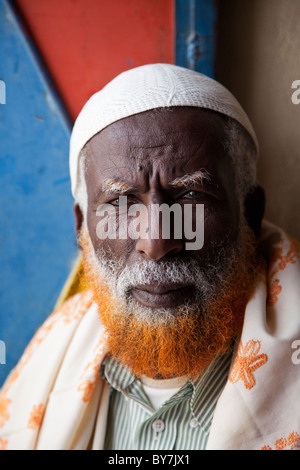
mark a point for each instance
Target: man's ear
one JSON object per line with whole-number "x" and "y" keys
{"x": 255, "y": 208}
{"x": 78, "y": 218}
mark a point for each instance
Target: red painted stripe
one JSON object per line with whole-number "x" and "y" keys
{"x": 85, "y": 43}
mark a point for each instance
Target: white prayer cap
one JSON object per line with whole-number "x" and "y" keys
{"x": 145, "y": 88}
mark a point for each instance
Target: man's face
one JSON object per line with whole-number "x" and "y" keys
{"x": 146, "y": 153}
{"x": 158, "y": 281}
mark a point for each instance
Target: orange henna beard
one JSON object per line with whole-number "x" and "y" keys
{"x": 188, "y": 343}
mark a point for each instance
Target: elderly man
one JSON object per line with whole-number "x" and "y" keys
{"x": 175, "y": 343}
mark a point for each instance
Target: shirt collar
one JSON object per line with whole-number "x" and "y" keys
{"x": 116, "y": 374}
{"x": 204, "y": 391}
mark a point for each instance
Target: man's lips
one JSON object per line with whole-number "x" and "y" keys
{"x": 162, "y": 294}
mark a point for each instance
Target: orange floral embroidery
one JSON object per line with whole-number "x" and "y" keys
{"x": 4, "y": 415}
{"x": 72, "y": 309}
{"x": 289, "y": 443}
{"x": 3, "y": 444}
{"x": 87, "y": 387}
{"x": 274, "y": 292}
{"x": 281, "y": 261}
{"x": 36, "y": 416}
{"x": 246, "y": 362}
{"x": 91, "y": 372}
{"x": 76, "y": 306}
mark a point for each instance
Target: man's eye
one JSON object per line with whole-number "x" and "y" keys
{"x": 192, "y": 195}
{"x": 115, "y": 202}
{"x": 122, "y": 202}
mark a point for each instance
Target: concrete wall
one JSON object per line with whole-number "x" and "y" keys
{"x": 258, "y": 59}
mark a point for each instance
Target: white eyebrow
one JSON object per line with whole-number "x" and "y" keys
{"x": 190, "y": 179}
{"x": 116, "y": 186}
{"x": 112, "y": 185}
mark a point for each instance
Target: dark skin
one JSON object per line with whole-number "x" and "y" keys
{"x": 149, "y": 150}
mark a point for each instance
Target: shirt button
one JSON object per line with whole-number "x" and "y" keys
{"x": 158, "y": 425}
{"x": 193, "y": 423}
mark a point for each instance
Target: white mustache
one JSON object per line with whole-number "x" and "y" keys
{"x": 203, "y": 278}
{"x": 169, "y": 272}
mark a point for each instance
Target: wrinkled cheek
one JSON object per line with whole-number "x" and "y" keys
{"x": 223, "y": 227}
{"x": 109, "y": 236}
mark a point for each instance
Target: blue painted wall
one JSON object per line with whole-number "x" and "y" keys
{"x": 195, "y": 35}
{"x": 37, "y": 240}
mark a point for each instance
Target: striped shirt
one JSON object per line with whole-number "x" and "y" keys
{"x": 181, "y": 423}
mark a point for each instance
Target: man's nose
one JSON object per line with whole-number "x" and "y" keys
{"x": 156, "y": 249}
{"x": 158, "y": 241}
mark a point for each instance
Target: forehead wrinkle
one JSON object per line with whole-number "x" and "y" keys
{"x": 144, "y": 138}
